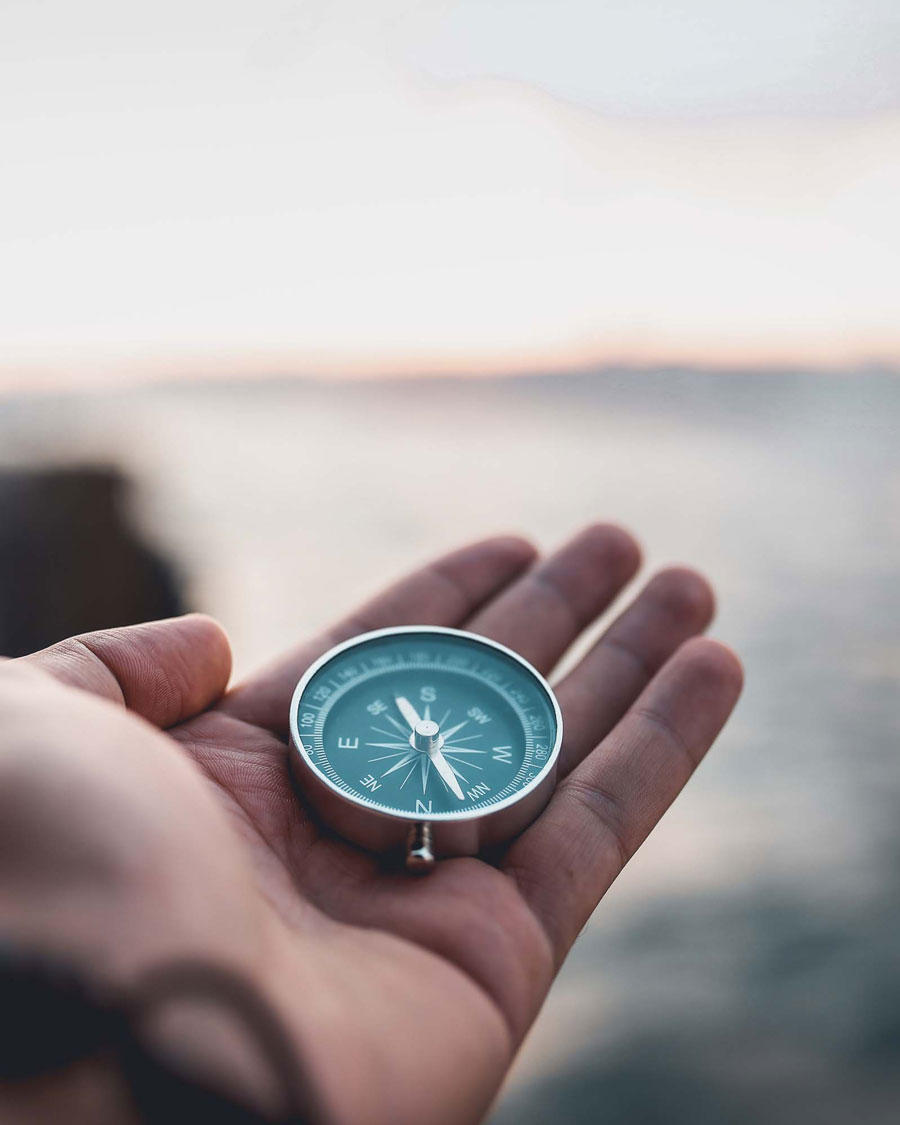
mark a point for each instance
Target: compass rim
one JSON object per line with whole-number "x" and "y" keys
{"x": 452, "y": 816}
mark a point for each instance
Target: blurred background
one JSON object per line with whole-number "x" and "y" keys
{"x": 294, "y": 295}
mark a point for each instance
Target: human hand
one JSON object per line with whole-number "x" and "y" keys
{"x": 150, "y": 814}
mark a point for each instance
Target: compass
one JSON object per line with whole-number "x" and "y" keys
{"x": 434, "y": 739}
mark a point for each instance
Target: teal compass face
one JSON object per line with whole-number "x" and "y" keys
{"x": 426, "y": 723}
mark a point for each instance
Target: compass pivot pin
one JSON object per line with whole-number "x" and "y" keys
{"x": 426, "y": 735}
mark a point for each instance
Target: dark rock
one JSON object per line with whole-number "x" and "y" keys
{"x": 71, "y": 561}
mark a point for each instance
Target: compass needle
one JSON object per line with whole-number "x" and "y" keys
{"x": 448, "y": 774}
{"x": 408, "y": 712}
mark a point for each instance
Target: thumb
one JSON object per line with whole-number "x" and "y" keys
{"x": 166, "y": 671}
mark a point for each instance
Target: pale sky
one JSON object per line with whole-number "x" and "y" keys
{"x": 247, "y": 186}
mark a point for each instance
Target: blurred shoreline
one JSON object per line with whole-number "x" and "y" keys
{"x": 123, "y": 377}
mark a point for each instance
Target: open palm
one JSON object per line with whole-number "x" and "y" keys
{"x": 407, "y": 998}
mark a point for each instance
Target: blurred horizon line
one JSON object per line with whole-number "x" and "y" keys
{"x": 237, "y": 369}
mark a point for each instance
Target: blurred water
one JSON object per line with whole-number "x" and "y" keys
{"x": 746, "y": 968}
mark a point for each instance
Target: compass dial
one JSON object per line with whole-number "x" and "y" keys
{"x": 426, "y": 723}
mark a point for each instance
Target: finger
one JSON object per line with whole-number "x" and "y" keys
{"x": 674, "y": 606}
{"x": 443, "y": 593}
{"x": 603, "y": 811}
{"x": 164, "y": 670}
{"x": 541, "y": 615}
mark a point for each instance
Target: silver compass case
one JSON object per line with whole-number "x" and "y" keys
{"x": 424, "y": 838}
